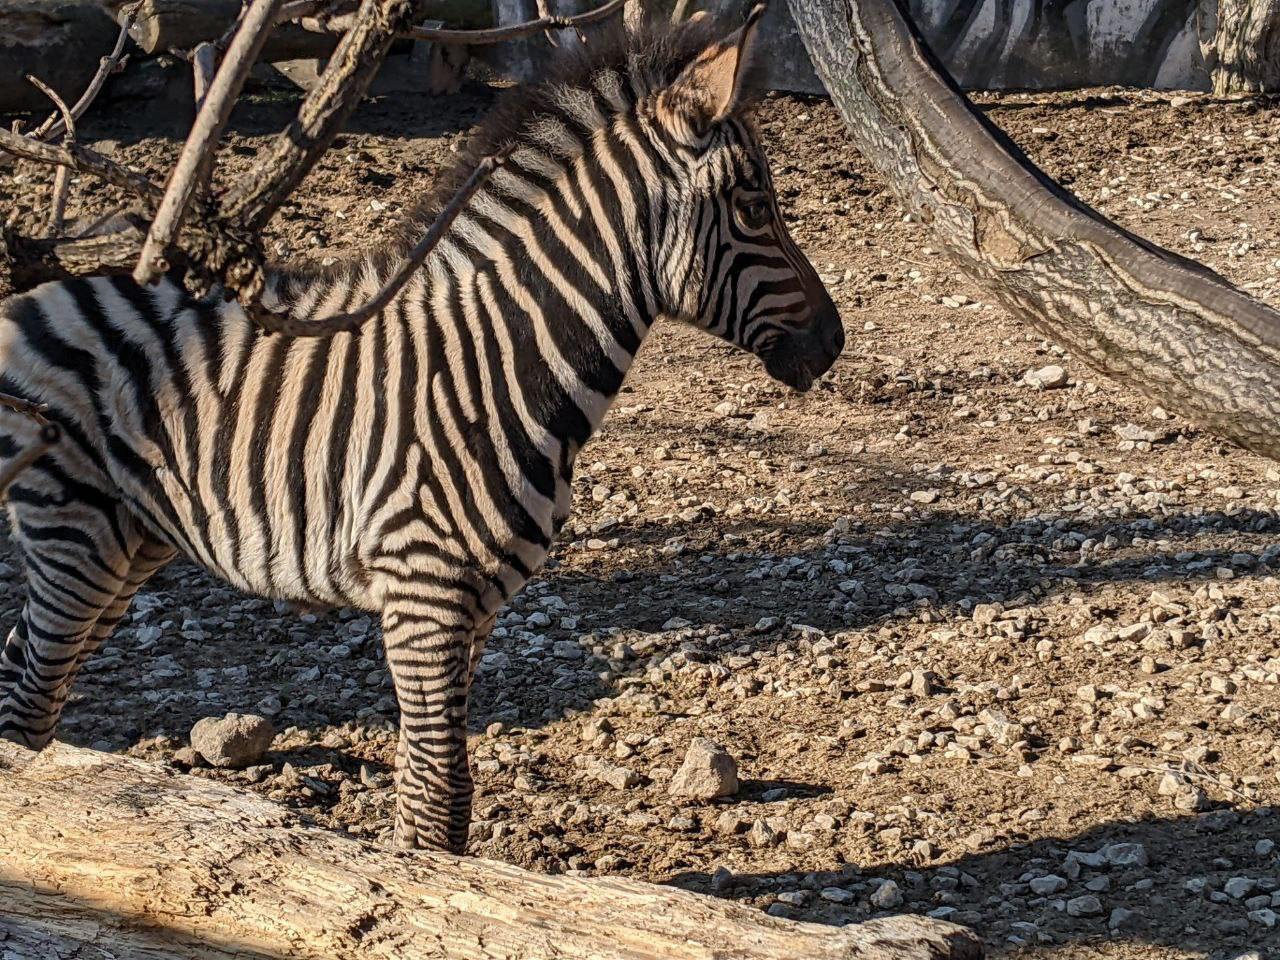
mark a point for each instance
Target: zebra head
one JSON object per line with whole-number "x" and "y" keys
{"x": 724, "y": 254}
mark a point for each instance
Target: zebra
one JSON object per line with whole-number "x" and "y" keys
{"x": 419, "y": 468}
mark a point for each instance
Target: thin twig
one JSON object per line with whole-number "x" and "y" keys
{"x": 106, "y": 66}
{"x": 82, "y": 160}
{"x": 195, "y": 161}
{"x": 344, "y": 322}
{"x": 36, "y": 411}
{"x": 480, "y": 37}
{"x": 61, "y": 179}
{"x": 545, "y": 13}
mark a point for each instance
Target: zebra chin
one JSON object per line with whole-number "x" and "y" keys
{"x": 805, "y": 354}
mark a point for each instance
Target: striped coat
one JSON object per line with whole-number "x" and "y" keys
{"x": 421, "y": 467}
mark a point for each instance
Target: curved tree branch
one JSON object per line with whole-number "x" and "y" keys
{"x": 1164, "y": 325}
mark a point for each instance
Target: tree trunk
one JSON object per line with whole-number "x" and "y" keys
{"x": 107, "y": 856}
{"x": 1157, "y": 322}
{"x": 1240, "y": 40}
{"x": 58, "y": 41}
{"x": 182, "y": 24}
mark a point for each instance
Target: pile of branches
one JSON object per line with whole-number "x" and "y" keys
{"x": 216, "y": 236}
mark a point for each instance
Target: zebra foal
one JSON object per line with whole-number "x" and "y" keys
{"x": 421, "y": 467}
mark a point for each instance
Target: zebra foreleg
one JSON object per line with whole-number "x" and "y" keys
{"x": 44, "y": 650}
{"x": 429, "y": 645}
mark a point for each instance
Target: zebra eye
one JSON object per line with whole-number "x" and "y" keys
{"x": 754, "y": 213}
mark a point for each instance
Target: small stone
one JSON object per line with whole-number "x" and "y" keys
{"x": 1265, "y": 917}
{"x": 1046, "y": 886}
{"x": 762, "y": 835}
{"x": 836, "y": 895}
{"x": 620, "y": 778}
{"x": 1237, "y": 888}
{"x": 793, "y": 898}
{"x": 707, "y": 772}
{"x": 887, "y": 896}
{"x": 1125, "y": 854}
{"x": 1051, "y": 377}
{"x": 1264, "y": 847}
{"x": 922, "y": 683}
{"x": 1085, "y": 906}
{"x": 236, "y": 740}
{"x": 1191, "y": 799}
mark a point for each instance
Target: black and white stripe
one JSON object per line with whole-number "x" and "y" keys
{"x": 420, "y": 468}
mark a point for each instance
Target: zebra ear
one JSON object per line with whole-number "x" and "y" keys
{"x": 710, "y": 88}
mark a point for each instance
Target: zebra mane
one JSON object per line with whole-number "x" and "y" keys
{"x": 646, "y": 58}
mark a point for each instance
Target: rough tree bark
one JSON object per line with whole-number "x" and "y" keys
{"x": 1240, "y": 41}
{"x": 1162, "y": 324}
{"x": 113, "y": 856}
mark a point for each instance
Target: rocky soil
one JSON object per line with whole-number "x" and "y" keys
{"x": 987, "y": 636}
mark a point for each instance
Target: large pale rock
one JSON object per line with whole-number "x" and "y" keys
{"x": 707, "y": 772}
{"x": 236, "y": 740}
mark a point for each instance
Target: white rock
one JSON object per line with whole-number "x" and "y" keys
{"x": 1052, "y": 377}
{"x": 887, "y": 896}
{"x": 236, "y": 740}
{"x": 707, "y": 772}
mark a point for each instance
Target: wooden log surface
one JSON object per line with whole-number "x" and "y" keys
{"x": 109, "y": 856}
{"x": 1240, "y": 41}
{"x": 59, "y": 41}
{"x": 1164, "y": 325}
{"x": 182, "y": 24}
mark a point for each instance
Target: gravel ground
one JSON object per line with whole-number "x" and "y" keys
{"x": 987, "y": 645}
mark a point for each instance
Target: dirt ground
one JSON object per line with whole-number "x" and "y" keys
{"x": 1001, "y": 654}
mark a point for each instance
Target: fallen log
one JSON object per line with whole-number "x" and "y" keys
{"x": 1164, "y": 325}
{"x": 183, "y": 24}
{"x": 58, "y": 41}
{"x": 113, "y": 856}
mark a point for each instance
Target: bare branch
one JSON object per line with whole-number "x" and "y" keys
{"x": 36, "y": 411}
{"x": 82, "y": 160}
{"x": 195, "y": 161}
{"x": 106, "y": 66}
{"x": 62, "y": 179}
{"x": 352, "y": 321}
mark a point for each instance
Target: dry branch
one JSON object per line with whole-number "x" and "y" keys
{"x": 82, "y": 160}
{"x": 103, "y": 852}
{"x": 61, "y": 179}
{"x": 196, "y": 159}
{"x": 1160, "y": 323}
{"x": 108, "y": 65}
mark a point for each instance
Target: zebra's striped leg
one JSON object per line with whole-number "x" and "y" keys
{"x": 430, "y": 660}
{"x": 151, "y": 556}
{"x": 64, "y": 601}
{"x": 79, "y": 556}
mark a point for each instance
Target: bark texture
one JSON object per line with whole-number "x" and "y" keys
{"x": 1240, "y": 40}
{"x": 1162, "y": 324}
{"x": 113, "y": 857}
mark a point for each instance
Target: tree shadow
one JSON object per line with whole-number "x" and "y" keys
{"x": 1172, "y": 889}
